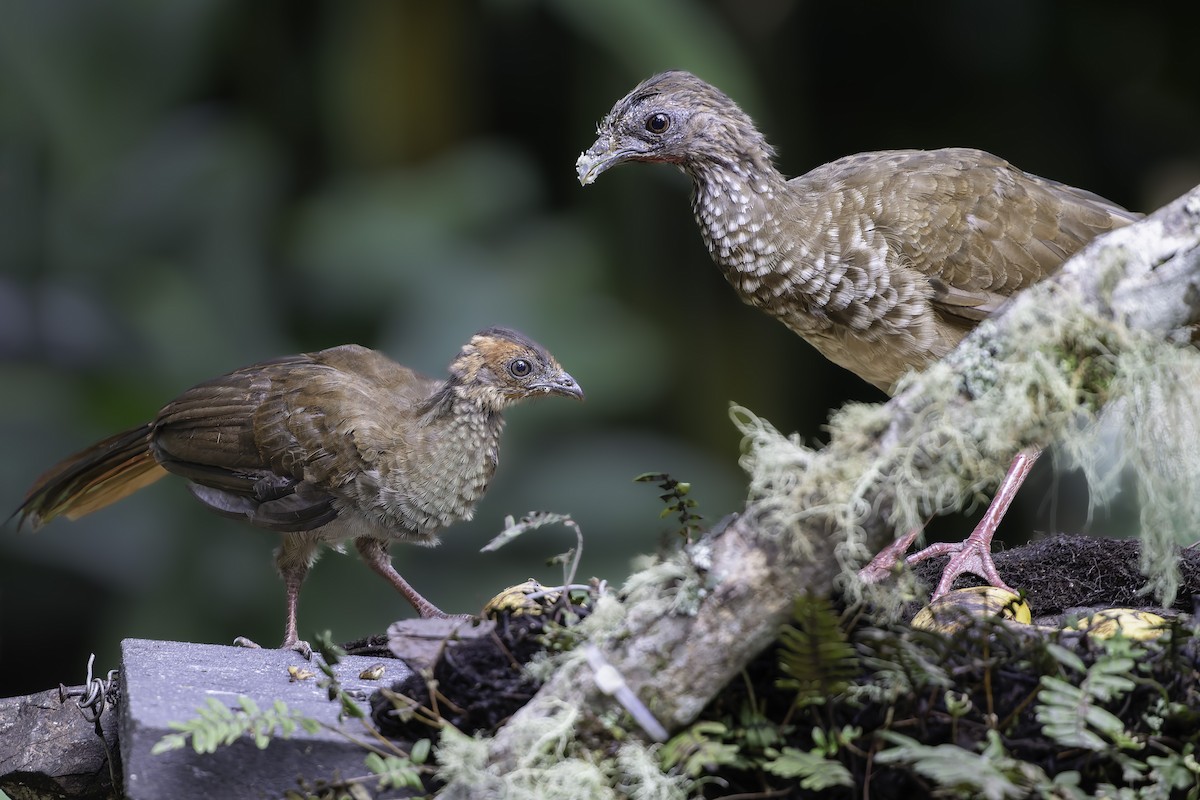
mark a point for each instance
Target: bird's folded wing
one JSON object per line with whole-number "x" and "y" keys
{"x": 290, "y": 512}
{"x": 232, "y": 438}
{"x": 1015, "y": 228}
{"x": 275, "y": 442}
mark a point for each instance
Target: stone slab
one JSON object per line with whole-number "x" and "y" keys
{"x": 48, "y": 749}
{"x": 164, "y": 682}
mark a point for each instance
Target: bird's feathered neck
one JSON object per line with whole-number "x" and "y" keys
{"x": 732, "y": 144}
{"x": 460, "y": 396}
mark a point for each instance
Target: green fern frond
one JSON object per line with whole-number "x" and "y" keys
{"x": 701, "y": 748}
{"x": 756, "y": 731}
{"x": 397, "y": 772}
{"x": 815, "y": 653}
{"x": 1072, "y": 715}
{"x": 219, "y": 725}
{"x": 675, "y": 496}
{"x": 992, "y": 774}
{"x": 816, "y": 771}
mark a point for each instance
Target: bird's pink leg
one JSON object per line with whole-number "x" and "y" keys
{"x": 886, "y": 559}
{"x": 973, "y": 554}
{"x": 293, "y": 558}
{"x": 375, "y": 554}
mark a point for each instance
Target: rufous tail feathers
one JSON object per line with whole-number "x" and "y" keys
{"x": 92, "y": 478}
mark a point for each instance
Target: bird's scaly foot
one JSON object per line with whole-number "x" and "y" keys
{"x": 299, "y": 645}
{"x": 973, "y": 555}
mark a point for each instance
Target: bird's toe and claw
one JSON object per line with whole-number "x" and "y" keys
{"x": 972, "y": 555}
{"x": 298, "y": 645}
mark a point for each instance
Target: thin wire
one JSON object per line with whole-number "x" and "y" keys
{"x": 92, "y": 698}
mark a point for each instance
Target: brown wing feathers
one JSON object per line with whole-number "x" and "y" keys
{"x": 232, "y": 439}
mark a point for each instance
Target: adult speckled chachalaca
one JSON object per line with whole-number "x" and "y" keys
{"x": 323, "y": 447}
{"x": 882, "y": 261}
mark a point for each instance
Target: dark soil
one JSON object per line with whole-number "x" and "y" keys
{"x": 997, "y": 668}
{"x": 1061, "y": 573}
{"x": 480, "y": 682}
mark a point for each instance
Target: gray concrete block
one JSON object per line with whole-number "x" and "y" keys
{"x": 164, "y": 682}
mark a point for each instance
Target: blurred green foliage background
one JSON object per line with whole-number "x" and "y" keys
{"x": 194, "y": 185}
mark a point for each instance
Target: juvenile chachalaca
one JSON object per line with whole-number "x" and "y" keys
{"x": 323, "y": 447}
{"x": 882, "y": 261}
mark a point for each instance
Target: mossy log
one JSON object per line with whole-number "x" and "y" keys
{"x": 1102, "y": 330}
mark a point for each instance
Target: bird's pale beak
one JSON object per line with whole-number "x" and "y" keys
{"x": 599, "y": 157}
{"x": 561, "y": 384}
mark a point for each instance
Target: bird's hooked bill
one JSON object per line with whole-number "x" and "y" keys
{"x": 595, "y": 160}
{"x": 562, "y": 384}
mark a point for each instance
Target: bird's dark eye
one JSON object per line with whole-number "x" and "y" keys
{"x": 519, "y": 367}
{"x": 658, "y": 123}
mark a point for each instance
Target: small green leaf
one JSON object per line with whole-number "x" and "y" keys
{"x": 172, "y": 741}
{"x": 420, "y": 751}
{"x": 1066, "y": 657}
{"x": 351, "y": 708}
{"x": 203, "y": 741}
{"x": 816, "y": 772}
{"x": 394, "y": 771}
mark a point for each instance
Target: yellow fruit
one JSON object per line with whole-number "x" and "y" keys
{"x": 951, "y": 611}
{"x": 516, "y": 600}
{"x": 1129, "y": 622}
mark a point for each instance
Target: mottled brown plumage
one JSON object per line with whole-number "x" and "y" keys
{"x": 323, "y": 447}
{"x": 882, "y": 261}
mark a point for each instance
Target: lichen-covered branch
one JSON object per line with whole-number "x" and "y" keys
{"x": 1105, "y": 329}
